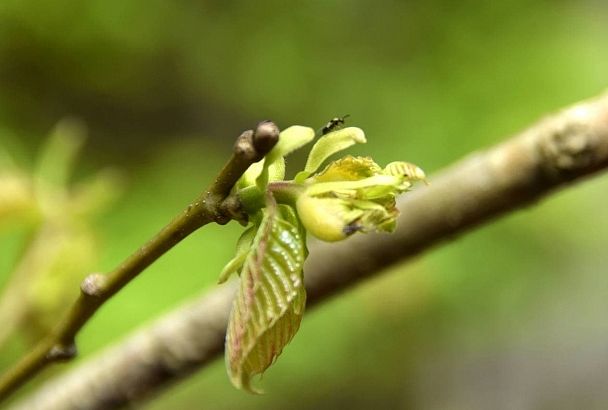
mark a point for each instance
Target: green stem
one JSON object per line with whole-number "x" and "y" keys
{"x": 97, "y": 288}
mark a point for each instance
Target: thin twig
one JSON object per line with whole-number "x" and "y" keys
{"x": 97, "y": 288}
{"x": 524, "y": 169}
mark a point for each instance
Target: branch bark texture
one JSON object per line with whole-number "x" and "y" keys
{"x": 561, "y": 149}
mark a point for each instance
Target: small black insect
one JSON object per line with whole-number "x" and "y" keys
{"x": 334, "y": 124}
{"x": 351, "y": 228}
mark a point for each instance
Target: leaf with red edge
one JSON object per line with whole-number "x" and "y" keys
{"x": 270, "y": 302}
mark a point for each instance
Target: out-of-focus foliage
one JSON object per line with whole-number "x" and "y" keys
{"x": 512, "y": 315}
{"x": 60, "y": 247}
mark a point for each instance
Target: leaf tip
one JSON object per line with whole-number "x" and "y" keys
{"x": 356, "y": 134}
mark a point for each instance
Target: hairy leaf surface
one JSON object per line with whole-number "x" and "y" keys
{"x": 269, "y": 305}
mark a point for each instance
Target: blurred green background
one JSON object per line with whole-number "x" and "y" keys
{"x": 512, "y": 316}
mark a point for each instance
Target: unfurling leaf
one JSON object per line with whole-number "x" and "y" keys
{"x": 354, "y": 194}
{"x": 410, "y": 171}
{"x": 269, "y": 305}
{"x": 349, "y": 168}
{"x": 290, "y": 139}
{"x": 276, "y": 172}
{"x": 243, "y": 246}
{"x": 328, "y": 145}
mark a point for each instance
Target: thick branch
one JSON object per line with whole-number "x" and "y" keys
{"x": 96, "y": 289}
{"x": 518, "y": 172}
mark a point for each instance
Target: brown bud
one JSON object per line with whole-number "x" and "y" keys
{"x": 265, "y": 137}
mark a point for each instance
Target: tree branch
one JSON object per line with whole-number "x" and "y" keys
{"x": 97, "y": 288}
{"x": 561, "y": 149}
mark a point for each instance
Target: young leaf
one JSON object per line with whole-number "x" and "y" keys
{"x": 270, "y": 302}
{"x": 253, "y": 172}
{"x": 410, "y": 171}
{"x": 276, "y": 172}
{"x": 371, "y": 187}
{"x": 290, "y": 139}
{"x": 243, "y": 246}
{"x": 348, "y": 168}
{"x": 328, "y": 145}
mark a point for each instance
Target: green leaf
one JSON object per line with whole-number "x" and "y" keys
{"x": 270, "y": 302}
{"x": 243, "y": 246}
{"x": 328, "y": 145}
{"x": 290, "y": 139}
{"x": 253, "y": 172}
{"x": 369, "y": 188}
{"x": 276, "y": 172}
{"x": 334, "y": 219}
{"x": 406, "y": 169}
{"x": 58, "y": 157}
{"x": 349, "y": 168}
{"x": 327, "y": 218}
